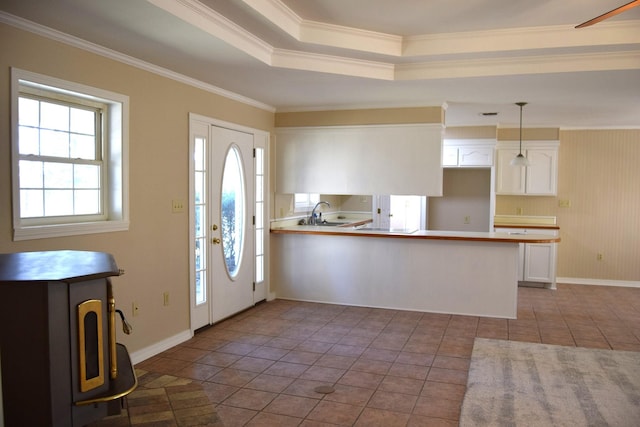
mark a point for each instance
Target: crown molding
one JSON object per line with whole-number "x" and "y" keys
{"x": 628, "y": 60}
{"x": 508, "y": 39}
{"x": 332, "y": 64}
{"x": 217, "y": 25}
{"x": 518, "y": 39}
{"x": 76, "y": 42}
{"x": 350, "y": 38}
{"x": 195, "y": 13}
{"x": 529, "y": 39}
{"x": 321, "y": 33}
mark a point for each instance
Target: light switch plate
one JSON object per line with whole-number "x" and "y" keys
{"x": 177, "y": 206}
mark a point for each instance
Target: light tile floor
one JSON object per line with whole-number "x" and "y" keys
{"x": 388, "y": 367}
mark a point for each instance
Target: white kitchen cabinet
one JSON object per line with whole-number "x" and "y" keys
{"x": 537, "y": 261}
{"x": 468, "y": 153}
{"x": 540, "y": 178}
{"x": 384, "y": 159}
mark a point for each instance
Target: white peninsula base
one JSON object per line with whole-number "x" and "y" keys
{"x": 443, "y": 276}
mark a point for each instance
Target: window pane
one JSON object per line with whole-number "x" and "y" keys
{"x": 198, "y": 156}
{"x": 82, "y": 147}
{"x": 259, "y": 216}
{"x": 31, "y": 203}
{"x": 199, "y": 187}
{"x": 199, "y": 261}
{"x": 28, "y": 140}
{"x": 53, "y": 143}
{"x": 28, "y": 112}
{"x": 201, "y": 295}
{"x": 54, "y": 116}
{"x": 58, "y": 175}
{"x": 31, "y": 174}
{"x": 259, "y": 269}
{"x": 259, "y": 161}
{"x": 58, "y": 202}
{"x": 233, "y": 211}
{"x": 86, "y": 176}
{"x": 83, "y": 121}
{"x": 200, "y": 212}
{"x": 259, "y": 188}
{"x": 86, "y": 202}
{"x": 259, "y": 242}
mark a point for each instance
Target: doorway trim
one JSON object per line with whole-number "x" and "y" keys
{"x": 261, "y": 140}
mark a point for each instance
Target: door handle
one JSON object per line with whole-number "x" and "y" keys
{"x": 215, "y": 241}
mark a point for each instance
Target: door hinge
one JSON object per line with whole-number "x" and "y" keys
{"x": 254, "y": 220}
{"x": 254, "y": 286}
{"x": 254, "y": 153}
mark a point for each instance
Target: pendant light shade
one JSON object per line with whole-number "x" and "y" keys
{"x": 520, "y": 159}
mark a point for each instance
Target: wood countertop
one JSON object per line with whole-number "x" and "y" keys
{"x": 419, "y": 234}
{"x": 528, "y": 226}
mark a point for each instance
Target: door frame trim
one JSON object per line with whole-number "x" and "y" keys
{"x": 262, "y": 140}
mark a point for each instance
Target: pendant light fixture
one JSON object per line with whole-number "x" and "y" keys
{"x": 520, "y": 160}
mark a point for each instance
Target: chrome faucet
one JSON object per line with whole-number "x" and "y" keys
{"x": 312, "y": 219}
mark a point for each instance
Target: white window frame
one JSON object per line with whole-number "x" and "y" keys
{"x": 115, "y": 141}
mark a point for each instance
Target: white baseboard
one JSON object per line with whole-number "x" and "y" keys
{"x": 159, "y": 347}
{"x": 598, "y": 282}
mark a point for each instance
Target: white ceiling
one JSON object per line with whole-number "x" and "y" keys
{"x": 293, "y": 55}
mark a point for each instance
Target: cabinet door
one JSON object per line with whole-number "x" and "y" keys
{"x": 509, "y": 179}
{"x": 539, "y": 262}
{"x": 449, "y": 156}
{"x": 475, "y": 156}
{"x": 397, "y": 159}
{"x": 542, "y": 172}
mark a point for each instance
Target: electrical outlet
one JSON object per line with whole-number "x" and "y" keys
{"x": 519, "y": 211}
{"x": 600, "y": 256}
{"x": 564, "y": 203}
{"x": 177, "y": 206}
{"x": 165, "y": 297}
{"x": 135, "y": 309}
{"x": 467, "y": 219}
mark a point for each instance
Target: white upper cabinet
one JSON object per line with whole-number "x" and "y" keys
{"x": 468, "y": 152}
{"x": 540, "y": 178}
{"x": 387, "y": 159}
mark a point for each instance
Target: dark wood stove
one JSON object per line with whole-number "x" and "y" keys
{"x": 61, "y": 365}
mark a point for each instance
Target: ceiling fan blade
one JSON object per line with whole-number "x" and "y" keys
{"x": 609, "y": 14}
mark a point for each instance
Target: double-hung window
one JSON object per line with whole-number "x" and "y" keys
{"x": 69, "y": 158}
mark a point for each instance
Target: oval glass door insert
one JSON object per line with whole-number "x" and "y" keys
{"x": 233, "y": 211}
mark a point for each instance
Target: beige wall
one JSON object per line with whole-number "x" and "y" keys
{"x": 375, "y": 116}
{"x": 154, "y": 252}
{"x": 599, "y": 175}
{"x": 465, "y": 192}
{"x": 470, "y": 132}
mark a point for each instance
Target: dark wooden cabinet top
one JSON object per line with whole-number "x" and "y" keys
{"x": 60, "y": 266}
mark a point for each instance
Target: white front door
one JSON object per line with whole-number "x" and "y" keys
{"x": 232, "y": 236}
{"x": 223, "y": 230}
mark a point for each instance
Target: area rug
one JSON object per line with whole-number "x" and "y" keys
{"x": 524, "y": 384}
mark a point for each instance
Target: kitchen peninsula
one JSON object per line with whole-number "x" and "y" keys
{"x": 466, "y": 273}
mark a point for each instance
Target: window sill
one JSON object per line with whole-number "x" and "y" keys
{"x": 62, "y": 230}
